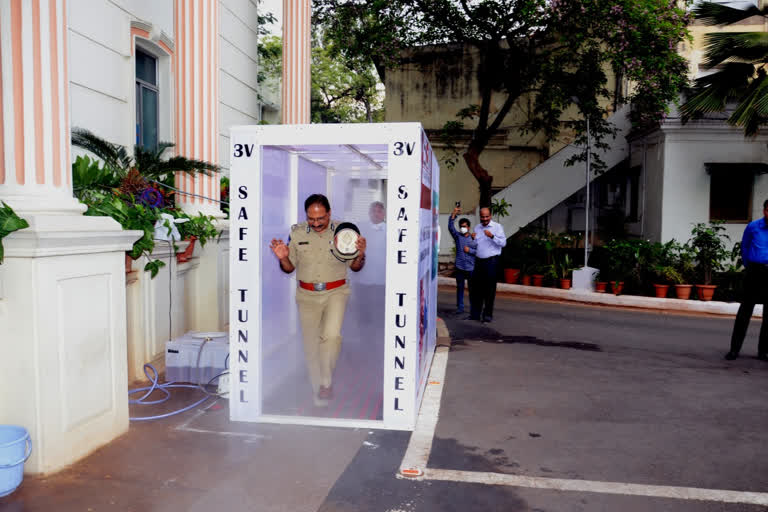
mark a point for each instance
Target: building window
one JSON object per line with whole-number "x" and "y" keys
{"x": 147, "y": 110}
{"x": 730, "y": 194}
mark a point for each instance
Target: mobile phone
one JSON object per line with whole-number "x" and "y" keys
{"x": 458, "y": 204}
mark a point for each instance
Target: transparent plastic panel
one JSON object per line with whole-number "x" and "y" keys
{"x": 279, "y": 330}
{"x": 311, "y": 180}
{"x": 353, "y": 180}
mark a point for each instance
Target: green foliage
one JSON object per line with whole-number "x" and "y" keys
{"x": 708, "y": 244}
{"x": 111, "y": 188}
{"x": 131, "y": 217}
{"x": 500, "y": 208}
{"x": 149, "y": 163}
{"x": 200, "y": 226}
{"x": 624, "y": 260}
{"x": 563, "y": 266}
{"x": 90, "y": 176}
{"x": 660, "y": 262}
{"x": 740, "y": 59}
{"x": 9, "y": 222}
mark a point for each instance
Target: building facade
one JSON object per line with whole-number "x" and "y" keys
{"x": 131, "y": 72}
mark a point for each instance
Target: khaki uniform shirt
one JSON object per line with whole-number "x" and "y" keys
{"x": 310, "y": 253}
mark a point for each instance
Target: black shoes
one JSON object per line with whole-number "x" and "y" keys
{"x": 730, "y": 356}
{"x": 470, "y": 317}
{"x": 487, "y": 319}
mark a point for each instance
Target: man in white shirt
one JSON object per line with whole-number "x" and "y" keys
{"x": 369, "y": 282}
{"x": 490, "y": 239}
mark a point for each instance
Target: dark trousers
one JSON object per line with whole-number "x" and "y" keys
{"x": 755, "y": 286}
{"x": 482, "y": 287}
{"x": 462, "y": 276}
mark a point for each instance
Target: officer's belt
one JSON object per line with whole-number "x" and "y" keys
{"x": 319, "y": 287}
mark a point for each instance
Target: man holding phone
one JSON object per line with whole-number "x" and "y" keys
{"x": 466, "y": 248}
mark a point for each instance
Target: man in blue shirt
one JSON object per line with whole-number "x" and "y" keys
{"x": 466, "y": 247}
{"x": 754, "y": 253}
{"x": 482, "y": 287}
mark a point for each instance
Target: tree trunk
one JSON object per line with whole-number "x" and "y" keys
{"x": 485, "y": 180}
{"x": 368, "y": 112}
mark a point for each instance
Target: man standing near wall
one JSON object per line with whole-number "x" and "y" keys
{"x": 482, "y": 287}
{"x": 754, "y": 253}
{"x": 323, "y": 290}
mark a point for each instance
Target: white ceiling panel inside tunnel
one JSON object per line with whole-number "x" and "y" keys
{"x": 364, "y": 158}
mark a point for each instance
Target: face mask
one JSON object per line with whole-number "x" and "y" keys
{"x": 463, "y": 229}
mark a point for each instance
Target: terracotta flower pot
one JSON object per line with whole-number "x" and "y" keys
{"x": 661, "y": 290}
{"x": 510, "y": 275}
{"x": 601, "y": 286}
{"x": 525, "y": 280}
{"x": 683, "y": 291}
{"x": 538, "y": 279}
{"x": 705, "y": 291}
{"x": 617, "y": 287}
{"x": 184, "y": 256}
{"x": 565, "y": 284}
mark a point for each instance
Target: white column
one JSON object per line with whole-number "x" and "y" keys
{"x": 35, "y": 174}
{"x": 197, "y": 101}
{"x": 62, "y": 284}
{"x": 297, "y": 30}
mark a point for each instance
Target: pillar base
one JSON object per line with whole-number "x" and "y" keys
{"x": 63, "y": 351}
{"x": 41, "y": 200}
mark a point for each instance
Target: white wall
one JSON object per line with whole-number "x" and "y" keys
{"x": 686, "y": 184}
{"x": 238, "y": 41}
{"x": 102, "y": 66}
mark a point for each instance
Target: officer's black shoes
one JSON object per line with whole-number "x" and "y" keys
{"x": 470, "y": 317}
{"x": 487, "y": 319}
{"x": 730, "y": 356}
{"x": 325, "y": 393}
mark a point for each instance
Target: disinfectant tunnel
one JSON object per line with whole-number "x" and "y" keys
{"x": 326, "y": 329}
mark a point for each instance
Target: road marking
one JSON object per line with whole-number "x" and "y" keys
{"x": 416, "y": 456}
{"x": 653, "y": 491}
{"x": 414, "y": 463}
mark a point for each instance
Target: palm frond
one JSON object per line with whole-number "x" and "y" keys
{"x": 739, "y": 46}
{"x": 712, "y": 92}
{"x": 113, "y": 155}
{"x": 746, "y": 114}
{"x": 711, "y": 13}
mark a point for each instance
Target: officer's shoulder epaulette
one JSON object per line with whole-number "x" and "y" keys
{"x": 300, "y": 225}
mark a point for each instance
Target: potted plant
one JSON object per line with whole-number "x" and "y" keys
{"x": 661, "y": 263}
{"x": 621, "y": 260}
{"x": 708, "y": 244}
{"x": 9, "y": 222}
{"x": 600, "y": 285}
{"x": 684, "y": 265}
{"x": 538, "y": 275}
{"x": 563, "y": 267}
{"x": 200, "y": 227}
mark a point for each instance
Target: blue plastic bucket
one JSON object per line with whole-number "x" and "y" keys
{"x": 15, "y": 449}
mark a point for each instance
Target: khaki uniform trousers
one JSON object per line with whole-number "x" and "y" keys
{"x": 322, "y": 315}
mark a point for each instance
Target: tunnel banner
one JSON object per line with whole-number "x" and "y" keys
{"x": 286, "y": 362}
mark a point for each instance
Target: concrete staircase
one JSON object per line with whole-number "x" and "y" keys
{"x": 550, "y": 183}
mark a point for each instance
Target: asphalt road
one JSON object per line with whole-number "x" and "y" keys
{"x": 573, "y": 392}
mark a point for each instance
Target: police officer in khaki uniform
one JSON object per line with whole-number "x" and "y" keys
{"x": 322, "y": 292}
